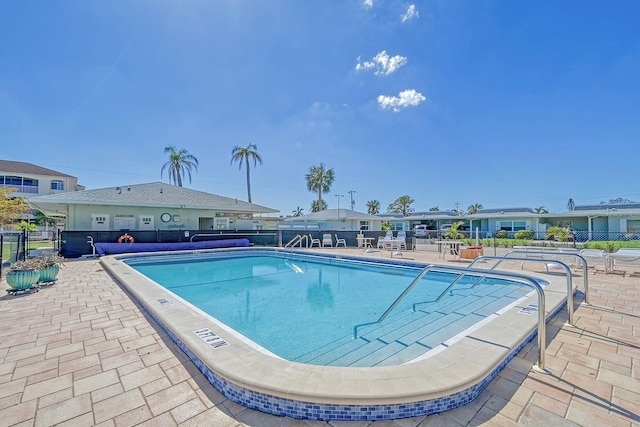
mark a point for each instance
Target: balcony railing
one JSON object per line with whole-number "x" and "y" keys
{"x": 25, "y": 189}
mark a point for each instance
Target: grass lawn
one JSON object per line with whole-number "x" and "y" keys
{"x": 8, "y": 248}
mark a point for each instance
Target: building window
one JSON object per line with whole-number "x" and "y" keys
{"x": 512, "y": 225}
{"x": 57, "y": 185}
{"x": 633, "y": 225}
{"x": 364, "y": 225}
{"x": 397, "y": 226}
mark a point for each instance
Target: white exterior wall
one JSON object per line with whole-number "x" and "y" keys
{"x": 82, "y": 217}
{"x": 70, "y": 183}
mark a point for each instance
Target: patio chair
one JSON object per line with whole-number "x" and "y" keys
{"x": 385, "y": 241}
{"x": 402, "y": 240}
{"x": 327, "y": 240}
{"x": 313, "y": 241}
{"x": 339, "y": 242}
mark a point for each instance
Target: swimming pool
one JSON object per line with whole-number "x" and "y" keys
{"x": 446, "y": 376}
{"x": 305, "y": 308}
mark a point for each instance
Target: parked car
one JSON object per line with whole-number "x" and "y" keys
{"x": 424, "y": 231}
{"x": 420, "y": 230}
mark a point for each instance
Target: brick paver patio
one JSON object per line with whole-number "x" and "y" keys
{"x": 81, "y": 353}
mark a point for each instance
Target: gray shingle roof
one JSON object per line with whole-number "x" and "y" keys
{"x": 155, "y": 194}
{"x": 607, "y": 207}
{"x": 9, "y": 166}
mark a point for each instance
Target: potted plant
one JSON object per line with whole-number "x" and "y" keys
{"x": 22, "y": 275}
{"x": 49, "y": 266}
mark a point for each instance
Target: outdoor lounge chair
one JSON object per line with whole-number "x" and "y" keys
{"x": 313, "y": 241}
{"x": 624, "y": 256}
{"x": 595, "y": 256}
{"x": 327, "y": 240}
{"x": 339, "y": 242}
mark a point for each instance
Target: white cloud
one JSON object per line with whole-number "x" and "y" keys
{"x": 406, "y": 98}
{"x": 367, "y": 4}
{"x": 383, "y": 63}
{"x": 411, "y": 13}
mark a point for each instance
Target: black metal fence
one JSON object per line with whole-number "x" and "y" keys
{"x": 73, "y": 244}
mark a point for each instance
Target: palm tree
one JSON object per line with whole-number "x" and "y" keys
{"x": 571, "y": 205}
{"x": 247, "y": 153}
{"x": 319, "y": 180}
{"x": 541, "y": 210}
{"x": 373, "y": 207}
{"x": 319, "y": 205}
{"x": 297, "y": 211}
{"x": 473, "y": 209}
{"x": 179, "y": 162}
{"x": 434, "y": 209}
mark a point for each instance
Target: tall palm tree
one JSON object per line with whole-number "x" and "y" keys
{"x": 247, "y": 153}
{"x": 373, "y": 207}
{"x": 180, "y": 161}
{"x": 541, "y": 210}
{"x": 297, "y": 211}
{"x": 320, "y": 180}
{"x": 319, "y": 205}
{"x": 473, "y": 209}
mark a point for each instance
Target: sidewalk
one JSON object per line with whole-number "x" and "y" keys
{"x": 82, "y": 353}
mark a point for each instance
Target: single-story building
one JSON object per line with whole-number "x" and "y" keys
{"x": 151, "y": 206}
{"x": 334, "y": 219}
{"x": 616, "y": 221}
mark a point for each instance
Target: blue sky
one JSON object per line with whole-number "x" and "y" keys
{"x": 502, "y": 103}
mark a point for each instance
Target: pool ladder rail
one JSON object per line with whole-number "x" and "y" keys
{"x": 483, "y": 273}
{"x": 297, "y": 241}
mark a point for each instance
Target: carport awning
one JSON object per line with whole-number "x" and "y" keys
{"x": 51, "y": 210}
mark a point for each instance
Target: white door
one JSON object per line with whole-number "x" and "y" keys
{"x": 99, "y": 222}
{"x": 146, "y": 222}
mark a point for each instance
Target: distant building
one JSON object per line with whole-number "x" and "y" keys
{"x": 334, "y": 219}
{"x": 31, "y": 180}
{"x": 151, "y": 206}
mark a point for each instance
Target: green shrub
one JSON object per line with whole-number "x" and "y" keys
{"x": 501, "y": 234}
{"x": 524, "y": 234}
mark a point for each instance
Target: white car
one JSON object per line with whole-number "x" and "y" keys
{"x": 420, "y": 230}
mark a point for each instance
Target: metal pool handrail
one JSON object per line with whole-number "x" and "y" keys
{"x": 585, "y": 267}
{"x": 297, "y": 240}
{"x": 566, "y": 267}
{"x": 542, "y": 325}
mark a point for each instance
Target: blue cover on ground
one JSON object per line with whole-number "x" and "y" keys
{"x": 122, "y": 248}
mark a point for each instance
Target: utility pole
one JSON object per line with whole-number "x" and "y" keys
{"x": 353, "y": 201}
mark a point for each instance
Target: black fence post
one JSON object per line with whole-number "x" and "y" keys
{"x": 1, "y": 252}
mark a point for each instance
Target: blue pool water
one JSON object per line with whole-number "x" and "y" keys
{"x": 305, "y": 308}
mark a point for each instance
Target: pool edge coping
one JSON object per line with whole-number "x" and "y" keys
{"x": 297, "y": 390}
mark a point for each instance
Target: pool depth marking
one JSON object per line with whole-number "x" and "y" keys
{"x": 210, "y": 338}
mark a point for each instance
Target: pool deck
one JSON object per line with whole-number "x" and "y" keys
{"x": 81, "y": 352}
